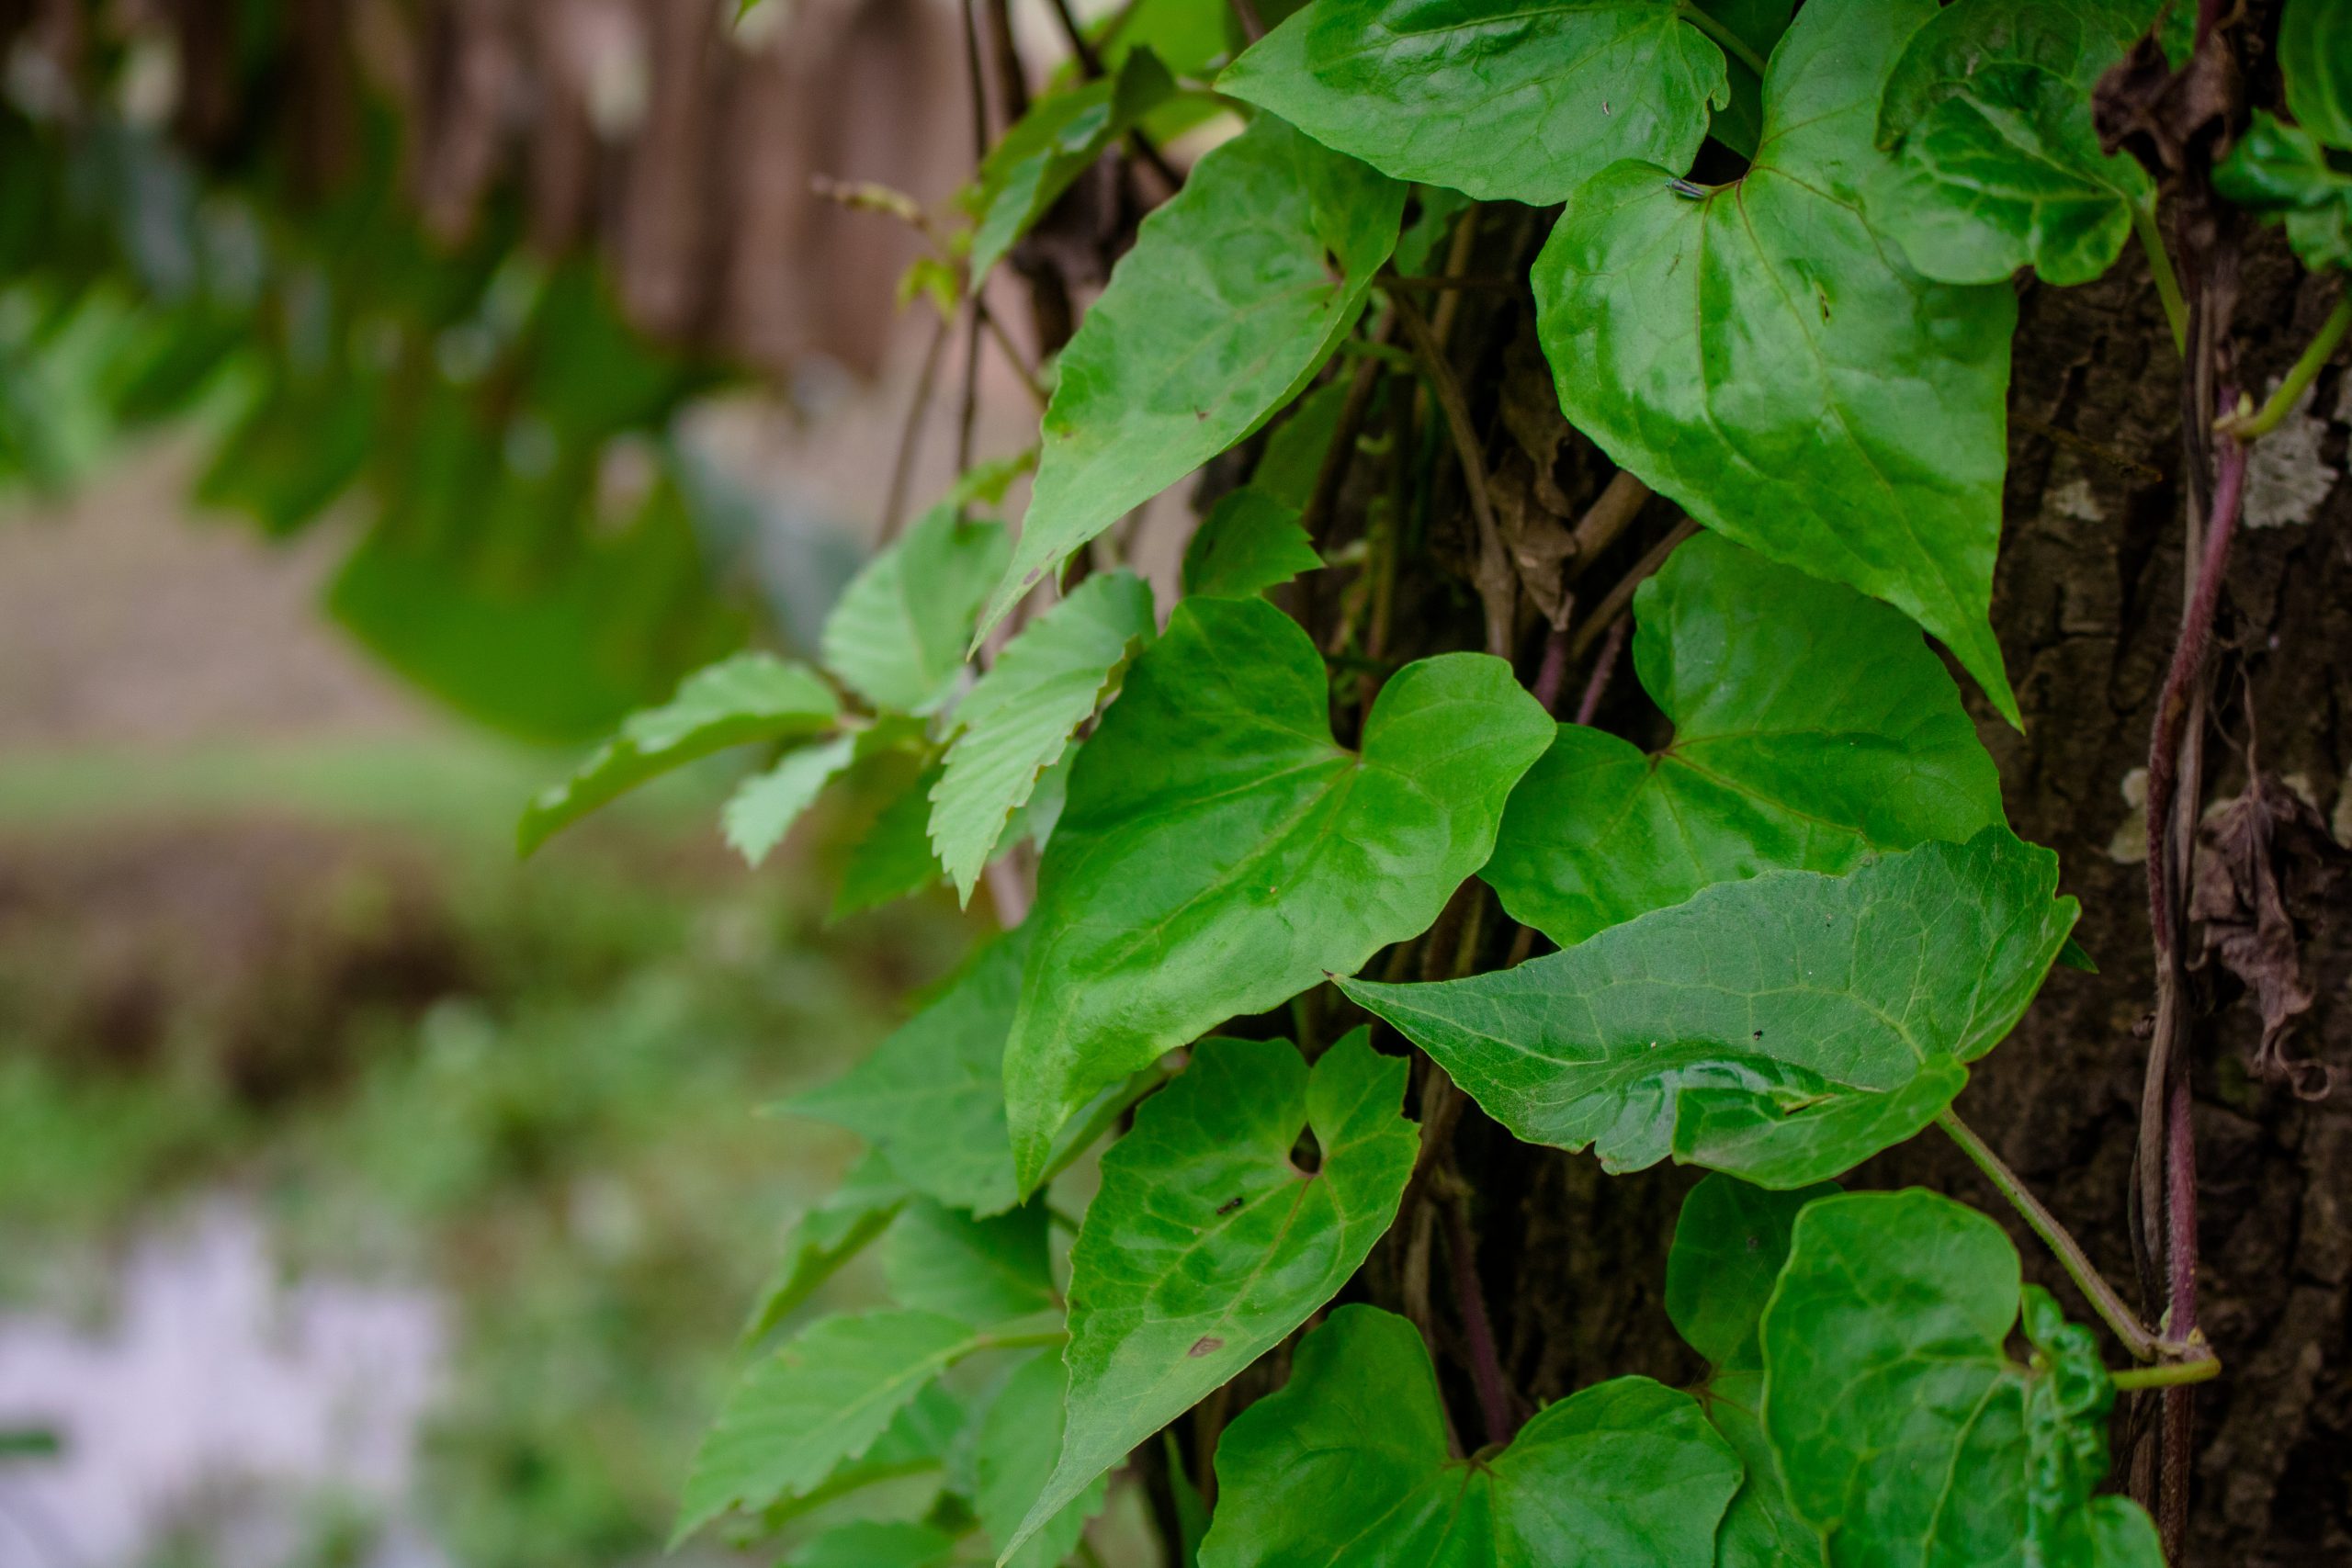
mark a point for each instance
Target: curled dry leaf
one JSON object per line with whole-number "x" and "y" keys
{"x": 2266, "y": 867}
{"x": 2157, "y": 114}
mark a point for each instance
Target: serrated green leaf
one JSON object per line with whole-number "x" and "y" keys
{"x": 1812, "y": 726}
{"x": 1506, "y": 101}
{"x": 1347, "y": 1465}
{"x": 931, "y": 1097}
{"x": 1729, "y": 1245}
{"x": 1248, "y": 542}
{"x": 763, "y": 807}
{"x": 986, "y": 1271}
{"x": 1017, "y": 721}
{"x": 753, "y": 697}
{"x": 1020, "y": 1438}
{"x": 1904, "y": 1432}
{"x": 2315, "y": 60}
{"x": 2282, "y": 173}
{"x": 1206, "y": 1245}
{"x": 896, "y": 638}
{"x": 1759, "y": 353}
{"x": 819, "y": 1400}
{"x": 876, "y": 1544}
{"x": 919, "y": 1440}
{"x": 1237, "y": 290}
{"x": 1997, "y": 164}
{"x": 893, "y": 857}
{"x": 1219, "y": 853}
{"x": 1060, "y": 139}
{"x": 825, "y": 1237}
{"x": 1782, "y": 1028}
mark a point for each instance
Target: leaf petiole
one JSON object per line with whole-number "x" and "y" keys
{"x": 2144, "y": 1343}
{"x": 2170, "y": 1374}
{"x": 1730, "y": 42}
{"x": 2152, "y": 241}
{"x": 2306, "y": 369}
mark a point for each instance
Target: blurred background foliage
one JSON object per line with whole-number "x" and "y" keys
{"x": 510, "y": 337}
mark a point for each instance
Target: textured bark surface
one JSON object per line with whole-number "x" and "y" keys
{"x": 2087, "y": 603}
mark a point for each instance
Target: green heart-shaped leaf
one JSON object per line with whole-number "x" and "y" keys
{"x": 1729, "y": 1245}
{"x": 1906, "y": 1434}
{"x": 1812, "y": 726}
{"x": 1504, "y": 100}
{"x": 1782, "y": 1028}
{"x": 1997, "y": 164}
{"x": 1235, "y": 292}
{"x": 1763, "y": 355}
{"x": 1206, "y": 1244}
{"x": 1346, "y": 1467}
{"x": 1219, "y": 853}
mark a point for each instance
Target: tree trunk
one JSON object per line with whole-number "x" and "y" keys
{"x": 2087, "y": 603}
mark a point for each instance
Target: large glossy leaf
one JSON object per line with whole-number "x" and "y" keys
{"x": 1505, "y": 100}
{"x": 1906, "y": 1434}
{"x": 1347, "y": 1467}
{"x": 753, "y": 697}
{"x": 1782, "y": 1028}
{"x": 1998, "y": 165}
{"x": 1060, "y": 139}
{"x": 1763, "y": 355}
{"x": 2315, "y": 59}
{"x": 821, "y": 1399}
{"x": 896, "y": 638}
{"x": 1729, "y": 1245}
{"x": 1018, "y": 720}
{"x": 1812, "y": 726}
{"x": 1206, "y": 1244}
{"x": 931, "y": 1097}
{"x": 1020, "y": 1438}
{"x": 1235, "y": 292}
{"x": 1219, "y": 853}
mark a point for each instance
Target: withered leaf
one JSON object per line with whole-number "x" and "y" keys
{"x": 2267, "y": 870}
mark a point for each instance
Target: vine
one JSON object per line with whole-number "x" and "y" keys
{"x": 1775, "y": 293}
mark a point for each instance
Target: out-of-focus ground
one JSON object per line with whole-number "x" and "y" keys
{"x": 367, "y": 1197}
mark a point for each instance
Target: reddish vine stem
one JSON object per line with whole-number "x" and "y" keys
{"x": 2167, "y": 1132}
{"x": 1477, "y": 1328}
{"x": 1597, "y": 686}
{"x": 1609, "y": 609}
